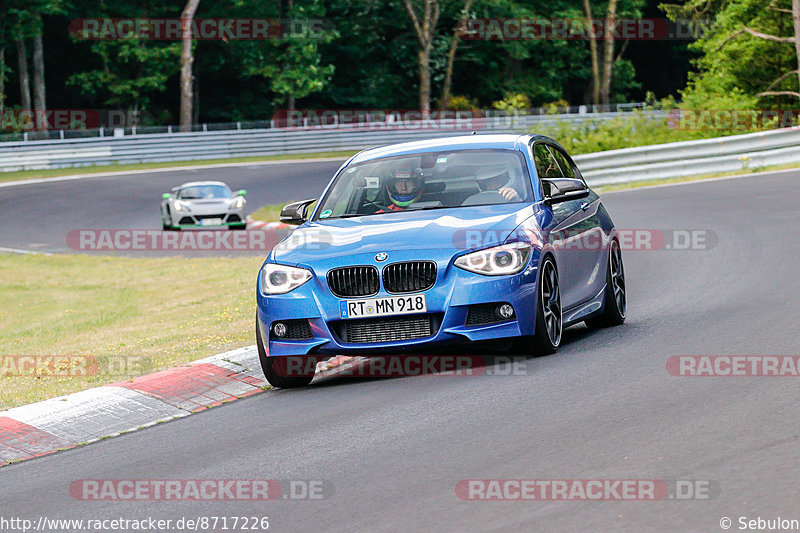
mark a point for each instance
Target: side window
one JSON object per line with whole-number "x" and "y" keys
{"x": 563, "y": 162}
{"x": 546, "y": 165}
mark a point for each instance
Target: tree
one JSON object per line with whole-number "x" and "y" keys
{"x": 451, "y": 56}
{"x": 425, "y": 30}
{"x": 794, "y": 39}
{"x": 292, "y": 62}
{"x": 24, "y": 78}
{"x": 27, "y": 15}
{"x": 746, "y": 58}
{"x": 604, "y": 62}
{"x": 187, "y": 59}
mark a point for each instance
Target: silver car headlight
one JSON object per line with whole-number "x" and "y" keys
{"x": 280, "y": 279}
{"x": 179, "y": 206}
{"x": 498, "y": 261}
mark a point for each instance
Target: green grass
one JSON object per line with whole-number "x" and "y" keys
{"x": 54, "y": 173}
{"x": 635, "y": 129}
{"x": 134, "y": 315}
{"x": 272, "y": 212}
{"x": 268, "y": 213}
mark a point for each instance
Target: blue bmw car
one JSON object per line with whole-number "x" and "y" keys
{"x": 433, "y": 243}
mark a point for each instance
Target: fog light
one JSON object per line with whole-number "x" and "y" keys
{"x": 505, "y": 310}
{"x": 279, "y": 329}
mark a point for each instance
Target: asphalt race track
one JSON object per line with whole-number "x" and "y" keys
{"x": 39, "y": 216}
{"x": 604, "y": 407}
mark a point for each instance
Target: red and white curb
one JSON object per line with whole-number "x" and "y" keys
{"x": 260, "y": 224}
{"x": 76, "y": 419}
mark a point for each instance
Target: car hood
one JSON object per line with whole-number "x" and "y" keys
{"x": 454, "y": 229}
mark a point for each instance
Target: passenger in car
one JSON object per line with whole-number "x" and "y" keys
{"x": 499, "y": 180}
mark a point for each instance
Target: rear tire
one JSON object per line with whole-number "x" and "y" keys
{"x": 275, "y": 368}
{"x": 615, "y": 298}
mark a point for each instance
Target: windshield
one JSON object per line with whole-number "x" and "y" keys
{"x": 202, "y": 192}
{"x": 430, "y": 180}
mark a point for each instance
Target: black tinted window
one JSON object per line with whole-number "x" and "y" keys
{"x": 546, "y": 165}
{"x": 563, "y": 162}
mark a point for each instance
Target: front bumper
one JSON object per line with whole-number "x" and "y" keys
{"x": 191, "y": 220}
{"x": 448, "y": 303}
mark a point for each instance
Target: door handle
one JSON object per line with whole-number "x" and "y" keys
{"x": 585, "y": 206}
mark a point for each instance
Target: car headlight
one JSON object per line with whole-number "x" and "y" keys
{"x": 498, "y": 261}
{"x": 238, "y": 203}
{"x": 280, "y": 279}
{"x": 179, "y": 206}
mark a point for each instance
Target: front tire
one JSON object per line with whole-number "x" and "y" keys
{"x": 549, "y": 320}
{"x": 276, "y": 368}
{"x": 615, "y": 300}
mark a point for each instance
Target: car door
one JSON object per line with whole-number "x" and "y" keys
{"x": 592, "y": 242}
{"x": 573, "y": 231}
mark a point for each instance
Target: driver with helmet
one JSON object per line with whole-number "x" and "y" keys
{"x": 403, "y": 189}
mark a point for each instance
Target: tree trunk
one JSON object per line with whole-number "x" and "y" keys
{"x": 2, "y": 79}
{"x": 24, "y": 80}
{"x": 608, "y": 51}
{"x": 39, "y": 90}
{"x": 187, "y": 59}
{"x": 796, "y": 20}
{"x": 451, "y": 56}
{"x": 425, "y": 81}
{"x": 425, "y": 31}
{"x": 196, "y": 101}
{"x": 587, "y": 9}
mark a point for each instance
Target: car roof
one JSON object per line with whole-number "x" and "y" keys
{"x": 202, "y": 183}
{"x": 461, "y": 142}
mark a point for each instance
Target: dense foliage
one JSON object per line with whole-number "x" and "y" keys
{"x": 368, "y": 57}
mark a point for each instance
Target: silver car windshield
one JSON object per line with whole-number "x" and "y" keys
{"x": 205, "y": 192}
{"x": 430, "y": 180}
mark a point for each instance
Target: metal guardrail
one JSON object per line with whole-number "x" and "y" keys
{"x": 692, "y": 158}
{"x": 688, "y": 158}
{"x": 32, "y": 155}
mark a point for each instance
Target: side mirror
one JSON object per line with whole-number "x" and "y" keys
{"x": 166, "y": 196}
{"x": 558, "y": 190}
{"x": 296, "y": 213}
{"x": 241, "y": 193}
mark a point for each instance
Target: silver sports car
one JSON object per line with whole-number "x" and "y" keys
{"x": 203, "y": 204}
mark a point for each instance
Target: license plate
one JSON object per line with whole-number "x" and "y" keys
{"x": 211, "y": 222}
{"x": 392, "y": 305}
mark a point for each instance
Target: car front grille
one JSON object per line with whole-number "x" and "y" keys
{"x": 388, "y": 329}
{"x": 410, "y": 276}
{"x": 203, "y": 217}
{"x": 348, "y": 282}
